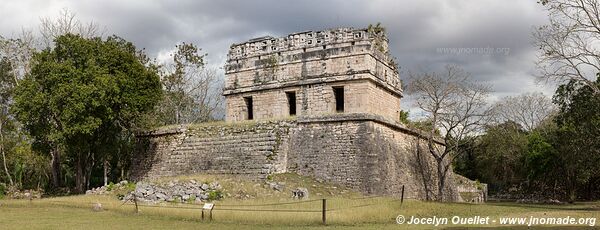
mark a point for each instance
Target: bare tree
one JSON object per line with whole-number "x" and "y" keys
{"x": 192, "y": 91}
{"x": 67, "y": 23}
{"x": 18, "y": 52}
{"x": 15, "y": 56}
{"x": 528, "y": 110}
{"x": 6, "y": 86}
{"x": 455, "y": 106}
{"x": 569, "y": 43}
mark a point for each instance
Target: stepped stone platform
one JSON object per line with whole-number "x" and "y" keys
{"x": 362, "y": 151}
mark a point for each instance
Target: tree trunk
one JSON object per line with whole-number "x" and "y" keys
{"x": 105, "y": 172}
{"x": 177, "y": 115}
{"x": 4, "y": 157}
{"x": 80, "y": 174}
{"x": 122, "y": 173}
{"x": 4, "y": 161}
{"x": 55, "y": 165}
{"x": 441, "y": 179}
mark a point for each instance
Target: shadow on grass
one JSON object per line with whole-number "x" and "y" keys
{"x": 567, "y": 207}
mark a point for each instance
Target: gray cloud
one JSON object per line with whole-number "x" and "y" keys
{"x": 416, "y": 29}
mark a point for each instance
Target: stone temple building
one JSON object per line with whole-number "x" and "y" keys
{"x": 342, "y": 70}
{"x": 323, "y": 104}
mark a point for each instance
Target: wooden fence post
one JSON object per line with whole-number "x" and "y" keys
{"x": 324, "y": 211}
{"x": 135, "y": 202}
{"x": 402, "y": 197}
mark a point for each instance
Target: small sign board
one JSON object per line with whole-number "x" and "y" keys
{"x": 208, "y": 206}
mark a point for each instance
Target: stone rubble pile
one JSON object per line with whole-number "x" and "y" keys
{"x": 176, "y": 191}
{"x": 300, "y": 193}
{"x": 173, "y": 191}
{"x": 539, "y": 201}
{"x": 24, "y": 194}
{"x": 107, "y": 189}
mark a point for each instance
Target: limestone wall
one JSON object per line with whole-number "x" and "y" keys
{"x": 361, "y": 151}
{"x": 360, "y": 97}
{"x": 309, "y": 64}
{"x": 365, "y": 152}
{"x": 253, "y": 149}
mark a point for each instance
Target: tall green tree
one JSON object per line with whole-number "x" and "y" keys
{"x": 81, "y": 95}
{"x": 500, "y": 153}
{"x": 579, "y": 128}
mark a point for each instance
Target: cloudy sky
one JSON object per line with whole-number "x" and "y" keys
{"x": 491, "y": 39}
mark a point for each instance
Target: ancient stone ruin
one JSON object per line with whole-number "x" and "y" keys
{"x": 318, "y": 103}
{"x": 343, "y": 70}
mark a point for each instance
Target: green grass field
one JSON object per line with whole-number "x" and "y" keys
{"x": 75, "y": 212}
{"x": 346, "y": 210}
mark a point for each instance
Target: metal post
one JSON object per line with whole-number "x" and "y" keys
{"x": 402, "y": 197}
{"x": 324, "y": 211}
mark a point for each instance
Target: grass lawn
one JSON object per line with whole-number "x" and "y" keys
{"x": 75, "y": 212}
{"x": 346, "y": 209}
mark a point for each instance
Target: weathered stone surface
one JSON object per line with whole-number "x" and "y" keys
{"x": 300, "y": 193}
{"x": 365, "y": 152}
{"x": 470, "y": 191}
{"x": 277, "y": 186}
{"x": 173, "y": 191}
{"x": 363, "y": 146}
{"x": 310, "y": 64}
{"x": 97, "y": 207}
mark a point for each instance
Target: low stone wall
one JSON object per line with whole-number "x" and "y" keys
{"x": 365, "y": 152}
{"x": 470, "y": 191}
{"x": 361, "y": 151}
{"x": 222, "y": 148}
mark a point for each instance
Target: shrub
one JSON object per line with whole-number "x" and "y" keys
{"x": 192, "y": 199}
{"x": 110, "y": 186}
{"x": 2, "y": 190}
{"x": 130, "y": 186}
{"x": 214, "y": 195}
{"x": 478, "y": 185}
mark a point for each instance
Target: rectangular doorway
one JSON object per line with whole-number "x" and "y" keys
{"x": 338, "y": 92}
{"x": 249, "y": 108}
{"x": 291, "y": 98}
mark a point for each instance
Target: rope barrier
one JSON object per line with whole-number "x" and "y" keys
{"x": 357, "y": 206}
{"x": 217, "y": 206}
{"x": 263, "y": 210}
{"x": 230, "y": 209}
{"x": 161, "y": 206}
{"x": 271, "y": 204}
{"x": 364, "y": 198}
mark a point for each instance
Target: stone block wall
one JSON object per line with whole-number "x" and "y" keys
{"x": 253, "y": 149}
{"x": 310, "y": 63}
{"x": 360, "y": 96}
{"x": 365, "y": 152}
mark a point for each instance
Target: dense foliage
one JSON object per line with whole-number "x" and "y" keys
{"x": 82, "y": 99}
{"x": 558, "y": 159}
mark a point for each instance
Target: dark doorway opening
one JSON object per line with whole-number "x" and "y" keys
{"x": 338, "y": 92}
{"x": 249, "y": 110}
{"x": 291, "y": 97}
